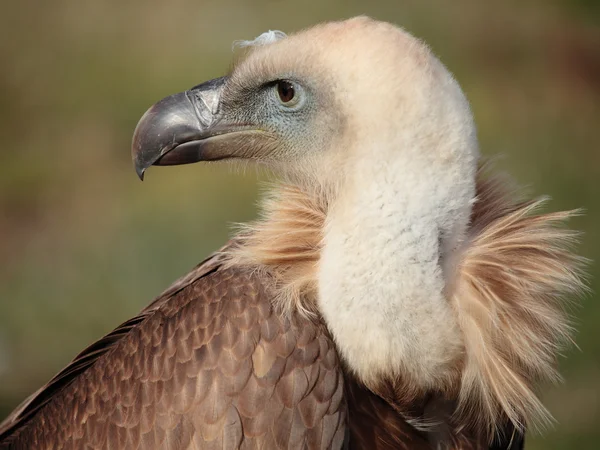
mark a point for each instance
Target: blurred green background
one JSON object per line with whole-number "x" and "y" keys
{"x": 84, "y": 245}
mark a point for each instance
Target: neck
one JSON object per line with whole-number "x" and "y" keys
{"x": 380, "y": 280}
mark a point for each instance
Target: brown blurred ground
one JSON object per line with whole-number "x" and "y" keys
{"x": 84, "y": 245}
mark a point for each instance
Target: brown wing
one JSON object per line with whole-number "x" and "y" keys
{"x": 207, "y": 365}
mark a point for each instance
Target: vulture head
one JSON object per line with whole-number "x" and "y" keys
{"x": 437, "y": 286}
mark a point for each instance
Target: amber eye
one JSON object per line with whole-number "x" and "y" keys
{"x": 286, "y": 91}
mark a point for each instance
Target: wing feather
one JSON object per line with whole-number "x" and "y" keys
{"x": 207, "y": 365}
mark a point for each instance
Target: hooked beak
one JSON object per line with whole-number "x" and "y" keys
{"x": 188, "y": 127}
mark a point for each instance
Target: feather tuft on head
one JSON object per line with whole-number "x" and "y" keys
{"x": 266, "y": 38}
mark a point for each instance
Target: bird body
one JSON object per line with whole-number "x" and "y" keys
{"x": 392, "y": 295}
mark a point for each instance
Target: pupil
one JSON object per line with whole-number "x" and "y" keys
{"x": 286, "y": 91}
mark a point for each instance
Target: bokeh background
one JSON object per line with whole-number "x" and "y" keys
{"x": 84, "y": 244}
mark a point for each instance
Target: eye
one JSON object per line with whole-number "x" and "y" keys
{"x": 287, "y": 93}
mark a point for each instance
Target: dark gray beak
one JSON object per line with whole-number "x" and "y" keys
{"x": 174, "y": 130}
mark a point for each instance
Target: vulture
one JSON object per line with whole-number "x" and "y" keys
{"x": 394, "y": 294}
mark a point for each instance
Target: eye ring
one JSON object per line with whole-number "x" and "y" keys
{"x": 288, "y": 93}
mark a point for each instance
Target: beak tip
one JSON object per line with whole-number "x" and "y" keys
{"x": 140, "y": 170}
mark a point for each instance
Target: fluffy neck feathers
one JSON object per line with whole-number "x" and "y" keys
{"x": 286, "y": 241}
{"x": 380, "y": 283}
{"x": 504, "y": 290}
